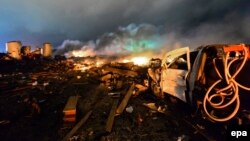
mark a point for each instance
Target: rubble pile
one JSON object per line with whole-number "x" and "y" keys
{"x": 110, "y": 102}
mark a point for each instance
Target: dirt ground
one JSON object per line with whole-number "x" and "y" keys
{"x": 50, "y": 85}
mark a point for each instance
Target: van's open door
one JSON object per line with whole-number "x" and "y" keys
{"x": 175, "y": 68}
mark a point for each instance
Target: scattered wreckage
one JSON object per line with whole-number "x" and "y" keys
{"x": 101, "y": 98}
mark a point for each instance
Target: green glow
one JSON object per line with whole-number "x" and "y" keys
{"x": 140, "y": 45}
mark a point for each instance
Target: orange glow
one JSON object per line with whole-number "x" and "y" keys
{"x": 82, "y": 53}
{"x": 140, "y": 61}
{"x": 86, "y": 52}
{"x": 81, "y": 67}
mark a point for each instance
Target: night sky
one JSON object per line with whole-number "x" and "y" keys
{"x": 184, "y": 22}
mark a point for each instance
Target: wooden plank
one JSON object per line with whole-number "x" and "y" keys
{"x": 111, "y": 117}
{"x": 71, "y": 104}
{"x": 125, "y": 100}
{"x": 70, "y": 109}
{"x": 78, "y": 125}
{"x": 69, "y": 112}
{"x": 68, "y": 119}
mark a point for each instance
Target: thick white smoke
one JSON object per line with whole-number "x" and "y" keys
{"x": 128, "y": 40}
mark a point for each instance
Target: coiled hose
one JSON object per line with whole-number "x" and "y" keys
{"x": 227, "y": 95}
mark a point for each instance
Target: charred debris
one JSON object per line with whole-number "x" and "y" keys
{"x": 45, "y": 98}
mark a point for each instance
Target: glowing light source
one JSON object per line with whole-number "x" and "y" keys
{"x": 141, "y": 61}
{"x": 81, "y": 53}
{"x": 126, "y": 61}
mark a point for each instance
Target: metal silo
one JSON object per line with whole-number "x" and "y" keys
{"x": 25, "y": 50}
{"x": 47, "y": 50}
{"x": 13, "y": 49}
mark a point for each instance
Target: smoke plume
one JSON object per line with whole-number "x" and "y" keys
{"x": 133, "y": 39}
{"x": 108, "y": 23}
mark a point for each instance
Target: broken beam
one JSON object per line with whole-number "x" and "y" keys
{"x": 125, "y": 100}
{"x": 70, "y": 108}
{"x": 78, "y": 125}
{"x": 111, "y": 117}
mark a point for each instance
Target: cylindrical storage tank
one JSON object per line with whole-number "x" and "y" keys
{"x": 25, "y": 50}
{"x": 47, "y": 50}
{"x": 13, "y": 49}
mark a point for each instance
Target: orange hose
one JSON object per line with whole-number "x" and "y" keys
{"x": 232, "y": 87}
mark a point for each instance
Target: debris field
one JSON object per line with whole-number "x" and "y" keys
{"x": 51, "y": 100}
